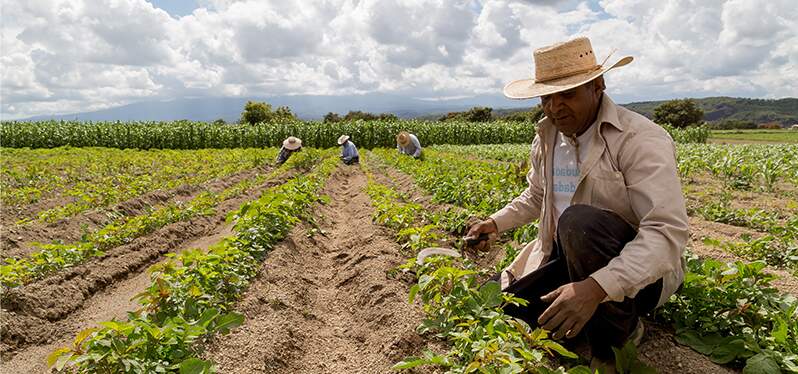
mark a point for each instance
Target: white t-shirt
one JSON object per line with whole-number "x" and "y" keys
{"x": 566, "y": 169}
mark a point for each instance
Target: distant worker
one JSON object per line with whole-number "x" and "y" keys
{"x": 290, "y": 145}
{"x": 408, "y": 144}
{"x": 349, "y": 153}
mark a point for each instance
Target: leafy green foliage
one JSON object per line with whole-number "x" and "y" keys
{"x": 255, "y": 113}
{"x": 96, "y": 178}
{"x": 627, "y": 362}
{"x": 678, "y": 113}
{"x": 475, "y": 114}
{"x": 470, "y": 317}
{"x": 479, "y": 186}
{"x": 54, "y": 257}
{"x": 191, "y": 293}
{"x": 733, "y": 314}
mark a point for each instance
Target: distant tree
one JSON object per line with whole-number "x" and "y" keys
{"x": 219, "y": 121}
{"x": 475, "y": 114}
{"x": 332, "y": 117}
{"x": 479, "y": 114}
{"x": 388, "y": 117}
{"x": 533, "y": 115}
{"x": 769, "y": 126}
{"x": 366, "y": 116}
{"x": 283, "y": 114}
{"x": 732, "y": 124}
{"x": 678, "y": 113}
{"x": 255, "y": 112}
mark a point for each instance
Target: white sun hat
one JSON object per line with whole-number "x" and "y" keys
{"x": 343, "y": 139}
{"x": 292, "y": 143}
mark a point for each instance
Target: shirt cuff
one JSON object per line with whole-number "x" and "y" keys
{"x": 502, "y": 221}
{"x": 609, "y": 282}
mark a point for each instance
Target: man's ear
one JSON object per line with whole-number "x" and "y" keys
{"x": 598, "y": 85}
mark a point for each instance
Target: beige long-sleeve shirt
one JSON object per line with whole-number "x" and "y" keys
{"x": 631, "y": 170}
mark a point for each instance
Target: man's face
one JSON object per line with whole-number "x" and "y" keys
{"x": 572, "y": 111}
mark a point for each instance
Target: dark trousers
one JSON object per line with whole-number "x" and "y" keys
{"x": 353, "y": 160}
{"x": 587, "y": 239}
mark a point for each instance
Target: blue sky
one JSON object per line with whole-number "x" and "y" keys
{"x": 62, "y": 56}
{"x": 176, "y": 8}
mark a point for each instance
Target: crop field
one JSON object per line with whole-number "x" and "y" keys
{"x": 754, "y": 136}
{"x": 191, "y": 260}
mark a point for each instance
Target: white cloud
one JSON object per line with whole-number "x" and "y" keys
{"x": 62, "y": 56}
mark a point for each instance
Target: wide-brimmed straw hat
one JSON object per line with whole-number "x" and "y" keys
{"x": 403, "y": 138}
{"x": 561, "y": 67}
{"x": 342, "y": 139}
{"x": 292, "y": 143}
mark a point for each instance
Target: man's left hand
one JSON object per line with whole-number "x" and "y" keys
{"x": 572, "y": 306}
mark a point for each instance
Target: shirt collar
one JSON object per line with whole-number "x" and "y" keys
{"x": 608, "y": 113}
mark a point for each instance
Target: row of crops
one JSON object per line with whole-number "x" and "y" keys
{"x": 199, "y": 135}
{"x": 730, "y": 312}
{"x": 53, "y": 257}
{"x": 86, "y": 178}
{"x": 192, "y": 294}
{"x": 741, "y": 166}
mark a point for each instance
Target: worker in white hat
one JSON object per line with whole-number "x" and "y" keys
{"x": 290, "y": 145}
{"x": 408, "y": 144}
{"x": 605, "y": 186}
{"x": 349, "y": 153}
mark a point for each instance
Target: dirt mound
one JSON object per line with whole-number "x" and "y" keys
{"x": 660, "y": 350}
{"x": 323, "y": 303}
{"x": 16, "y": 240}
{"x": 31, "y": 313}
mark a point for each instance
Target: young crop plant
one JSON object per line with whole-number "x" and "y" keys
{"x": 469, "y": 316}
{"x": 192, "y": 293}
{"x": 733, "y": 314}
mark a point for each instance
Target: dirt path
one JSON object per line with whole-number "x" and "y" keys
{"x": 112, "y": 303}
{"x": 323, "y": 304}
{"x": 17, "y": 239}
{"x": 34, "y": 313}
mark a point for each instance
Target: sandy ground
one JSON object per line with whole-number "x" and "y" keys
{"x": 323, "y": 303}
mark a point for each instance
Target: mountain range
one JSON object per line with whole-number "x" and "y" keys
{"x": 306, "y": 107}
{"x": 314, "y": 107}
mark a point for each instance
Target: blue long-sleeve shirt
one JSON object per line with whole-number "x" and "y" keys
{"x": 349, "y": 151}
{"x": 413, "y": 149}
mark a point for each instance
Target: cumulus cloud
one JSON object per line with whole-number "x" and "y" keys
{"x": 62, "y": 56}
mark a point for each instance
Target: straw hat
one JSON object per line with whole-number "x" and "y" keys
{"x": 292, "y": 143}
{"x": 403, "y": 139}
{"x": 343, "y": 139}
{"x": 561, "y": 67}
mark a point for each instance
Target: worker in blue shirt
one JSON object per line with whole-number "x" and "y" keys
{"x": 349, "y": 153}
{"x": 408, "y": 144}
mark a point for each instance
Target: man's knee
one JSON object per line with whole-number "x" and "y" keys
{"x": 578, "y": 221}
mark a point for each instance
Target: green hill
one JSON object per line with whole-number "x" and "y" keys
{"x": 783, "y": 111}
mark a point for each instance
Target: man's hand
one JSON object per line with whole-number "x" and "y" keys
{"x": 485, "y": 227}
{"x": 572, "y": 306}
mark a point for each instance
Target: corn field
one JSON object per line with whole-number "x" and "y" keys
{"x": 200, "y": 135}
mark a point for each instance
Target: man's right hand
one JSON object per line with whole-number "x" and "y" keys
{"x": 487, "y": 226}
